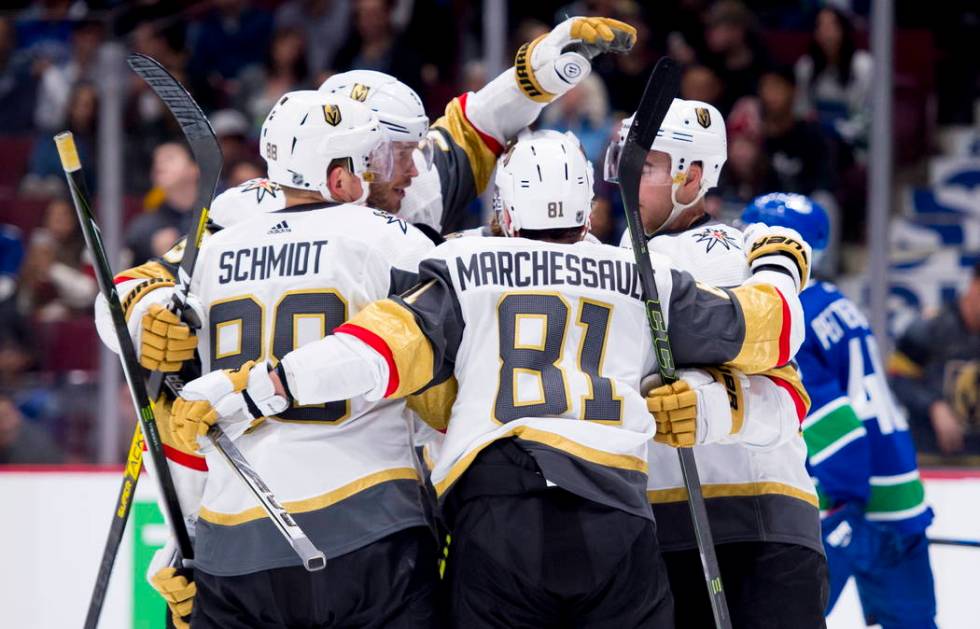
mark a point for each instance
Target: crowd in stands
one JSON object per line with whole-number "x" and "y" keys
{"x": 793, "y": 81}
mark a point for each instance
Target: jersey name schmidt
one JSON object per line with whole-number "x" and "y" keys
{"x": 518, "y": 269}
{"x": 259, "y": 263}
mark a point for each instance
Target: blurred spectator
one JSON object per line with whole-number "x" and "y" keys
{"x": 171, "y": 201}
{"x": 242, "y": 171}
{"x": 701, "y": 83}
{"x": 935, "y": 373}
{"x": 625, "y": 76}
{"x": 45, "y": 176}
{"x": 18, "y": 85}
{"x": 583, "y": 110}
{"x": 799, "y": 160}
{"x": 834, "y": 80}
{"x": 231, "y": 129}
{"x": 17, "y": 355}
{"x": 21, "y": 442}
{"x": 56, "y": 281}
{"x": 11, "y": 258}
{"x": 284, "y": 70}
{"x": 227, "y": 40}
{"x": 744, "y": 176}
{"x": 58, "y": 80}
{"x": 734, "y": 51}
{"x": 324, "y": 24}
{"x": 374, "y": 45}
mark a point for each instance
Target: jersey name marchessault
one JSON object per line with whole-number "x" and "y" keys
{"x": 522, "y": 269}
{"x": 259, "y": 263}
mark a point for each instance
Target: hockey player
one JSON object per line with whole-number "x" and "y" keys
{"x": 543, "y": 471}
{"x": 860, "y": 451}
{"x": 344, "y": 470}
{"x": 463, "y": 145}
{"x": 761, "y": 503}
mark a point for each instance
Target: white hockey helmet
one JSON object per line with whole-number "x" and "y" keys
{"x": 544, "y": 181}
{"x": 397, "y": 106}
{"x": 307, "y": 130}
{"x": 692, "y": 131}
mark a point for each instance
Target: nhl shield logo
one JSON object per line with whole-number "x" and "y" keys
{"x": 704, "y": 116}
{"x": 331, "y": 113}
{"x": 359, "y": 92}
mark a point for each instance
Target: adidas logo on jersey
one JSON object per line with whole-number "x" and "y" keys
{"x": 279, "y": 228}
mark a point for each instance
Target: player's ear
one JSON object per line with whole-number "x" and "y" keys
{"x": 694, "y": 174}
{"x": 342, "y": 183}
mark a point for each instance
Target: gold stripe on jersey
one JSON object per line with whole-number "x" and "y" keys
{"x": 726, "y": 490}
{"x": 435, "y": 404}
{"x": 556, "y": 441}
{"x": 481, "y": 158}
{"x": 409, "y": 347}
{"x": 312, "y": 504}
{"x": 789, "y": 375}
{"x": 762, "y": 307}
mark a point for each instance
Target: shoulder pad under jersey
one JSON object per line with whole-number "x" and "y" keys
{"x": 255, "y": 196}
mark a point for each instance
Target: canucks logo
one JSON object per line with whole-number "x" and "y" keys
{"x": 261, "y": 187}
{"x": 331, "y": 113}
{"x": 359, "y": 92}
{"x": 704, "y": 116}
{"x": 712, "y": 236}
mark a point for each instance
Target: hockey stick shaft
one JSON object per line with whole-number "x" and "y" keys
{"x": 313, "y": 559}
{"x": 146, "y": 420}
{"x": 657, "y": 97}
{"x": 207, "y": 153}
{"x": 944, "y": 541}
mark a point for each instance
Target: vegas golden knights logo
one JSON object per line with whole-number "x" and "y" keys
{"x": 704, "y": 116}
{"x": 331, "y": 113}
{"x": 359, "y": 92}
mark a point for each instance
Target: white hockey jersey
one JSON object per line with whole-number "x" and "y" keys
{"x": 345, "y": 470}
{"x": 754, "y": 492}
{"x": 548, "y": 344}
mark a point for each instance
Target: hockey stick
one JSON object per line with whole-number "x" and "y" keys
{"x": 657, "y": 97}
{"x": 204, "y": 146}
{"x": 207, "y": 153}
{"x": 137, "y": 389}
{"x": 943, "y": 541}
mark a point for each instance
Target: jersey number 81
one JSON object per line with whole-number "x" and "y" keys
{"x": 539, "y": 360}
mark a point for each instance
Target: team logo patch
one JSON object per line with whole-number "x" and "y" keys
{"x": 359, "y": 92}
{"x": 704, "y": 116}
{"x": 712, "y": 236}
{"x": 331, "y": 113}
{"x": 261, "y": 187}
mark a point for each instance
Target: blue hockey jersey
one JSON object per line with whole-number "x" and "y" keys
{"x": 859, "y": 447}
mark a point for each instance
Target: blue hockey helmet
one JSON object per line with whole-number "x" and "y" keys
{"x": 795, "y": 211}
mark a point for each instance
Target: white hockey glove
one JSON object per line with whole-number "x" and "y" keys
{"x": 554, "y": 63}
{"x": 236, "y": 400}
{"x": 778, "y": 246}
{"x": 703, "y": 406}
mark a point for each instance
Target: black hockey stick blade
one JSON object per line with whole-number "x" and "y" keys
{"x": 657, "y": 97}
{"x": 131, "y": 369}
{"x": 207, "y": 153}
{"x": 661, "y": 87}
